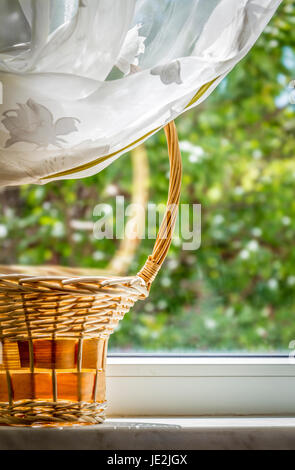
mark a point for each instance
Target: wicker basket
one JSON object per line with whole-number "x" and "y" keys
{"x": 54, "y": 330}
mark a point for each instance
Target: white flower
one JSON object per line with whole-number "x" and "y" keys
{"x": 244, "y": 254}
{"x": 272, "y": 284}
{"x": 162, "y": 304}
{"x": 166, "y": 282}
{"x": 253, "y": 245}
{"x": 218, "y": 219}
{"x": 257, "y": 154}
{"x": 3, "y": 231}
{"x": 46, "y": 205}
{"x": 224, "y": 142}
{"x": 256, "y": 232}
{"x": 58, "y": 230}
{"x": 261, "y": 332}
{"x": 155, "y": 334}
{"x": 286, "y": 220}
{"x": 217, "y": 234}
{"x": 239, "y": 191}
{"x": 229, "y": 312}
{"x": 172, "y": 264}
{"x": 214, "y": 193}
{"x": 196, "y": 152}
{"x": 132, "y": 47}
{"x": 288, "y": 9}
{"x": 210, "y": 324}
{"x": 149, "y": 307}
{"x": 111, "y": 190}
{"x": 193, "y": 158}
{"x": 266, "y": 312}
{"x": 77, "y": 237}
{"x": 98, "y": 255}
{"x": 291, "y": 280}
{"x": 9, "y": 212}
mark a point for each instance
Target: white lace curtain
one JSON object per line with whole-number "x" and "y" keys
{"x": 84, "y": 81}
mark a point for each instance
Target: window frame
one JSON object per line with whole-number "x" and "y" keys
{"x": 143, "y": 385}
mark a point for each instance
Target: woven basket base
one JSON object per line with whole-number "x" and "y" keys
{"x": 43, "y": 413}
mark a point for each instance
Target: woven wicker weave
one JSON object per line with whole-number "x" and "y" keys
{"x": 54, "y": 330}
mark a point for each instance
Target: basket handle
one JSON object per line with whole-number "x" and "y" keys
{"x": 163, "y": 241}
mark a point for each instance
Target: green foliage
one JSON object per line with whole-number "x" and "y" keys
{"x": 237, "y": 292}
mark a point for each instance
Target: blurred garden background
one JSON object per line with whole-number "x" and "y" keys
{"x": 237, "y": 291}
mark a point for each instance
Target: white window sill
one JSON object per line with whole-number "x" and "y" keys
{"x": 159, "y": 403}
{"x": 158, "y": 434}
{"x": 192, "y": 386}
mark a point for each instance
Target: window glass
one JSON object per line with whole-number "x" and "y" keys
{"x": 230, "y": 286}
